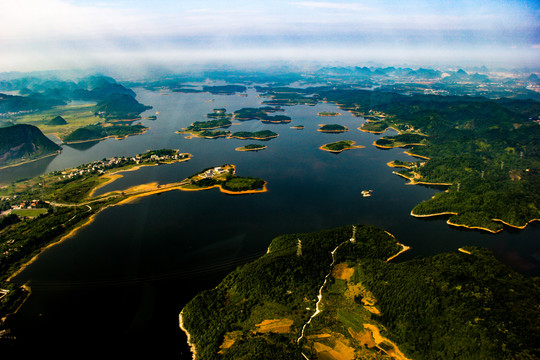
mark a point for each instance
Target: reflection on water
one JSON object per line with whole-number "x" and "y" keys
{"x": 82, "y": 146}
{"x": 26, "y": 171}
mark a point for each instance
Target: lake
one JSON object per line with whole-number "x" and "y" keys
{"x": 118, "y": 285}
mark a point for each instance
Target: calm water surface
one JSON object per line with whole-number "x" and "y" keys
{"x": 120, "y": 282}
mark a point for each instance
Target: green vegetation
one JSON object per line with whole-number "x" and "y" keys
{"x": 224, "y": 177}
{"x": 251, "y": 147}
{"x": 261, "y": 114}
{"x": 339, "y": 146}
{"x": 121, "y": 106}
{"x": 19, "y": 143}
{"x": 334, "y": 128}
{"x": 98, "y": 131}
{"x": 29, "y": 212}
{"x": 489, "y": 150}
{"x": 258, "y": 135}
{"x": 401, "y": 140}
{"x": 208, "y": 125}
{"x": 454, "y": 305}
{"x": 56, "y": 121}
{"x": 374, "y": 126}
{"x": 328, "y": 113}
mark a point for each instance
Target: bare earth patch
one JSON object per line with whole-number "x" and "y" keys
{"x": 343, "y": 272}
{"x": 281, "y": 326}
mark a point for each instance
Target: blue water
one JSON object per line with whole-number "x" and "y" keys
{"x": 120, "y": 282}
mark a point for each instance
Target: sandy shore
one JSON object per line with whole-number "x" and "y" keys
{"x": 403, "y": 249}
{"x": 473, "y": 227}
{"x": 264, "y": 189}
{"x": 414, "y": 182}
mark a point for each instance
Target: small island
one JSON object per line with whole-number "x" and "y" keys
{"x": 224, "y": 178}
{"x": 339, "y": 146}
{"x": 251, "y": 147}
{"x": 328, "y": 113}
{"x": 333, "y": 128}
{"x": 203, "y": 128}
{"x": 298, "y": 127}
{"x": 258, "y": 135}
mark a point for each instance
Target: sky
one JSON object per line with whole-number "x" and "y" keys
{"x": 67, "y": 34}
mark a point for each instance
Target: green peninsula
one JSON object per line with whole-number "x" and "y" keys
{"x": 337, "y": 294}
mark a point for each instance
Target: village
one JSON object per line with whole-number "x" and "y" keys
{"x": 31, "y": 208}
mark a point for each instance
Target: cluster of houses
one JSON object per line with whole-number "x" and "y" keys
{"x": 218, "y": 170}
{"x": 101, "y": 166}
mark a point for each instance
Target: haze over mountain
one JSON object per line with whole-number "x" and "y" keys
{"x": 81, "y": 33}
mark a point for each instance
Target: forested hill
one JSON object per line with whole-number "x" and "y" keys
{"x": 120, "y": 106}
{"x": 41, "y": 94}
{"x": 24, "y": 142}
{"x": 459, "y": 305}
{"x": 489, "y": 150}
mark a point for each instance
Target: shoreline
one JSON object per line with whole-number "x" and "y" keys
{"x": 403, "y": 249}
{"x": 191, "y": 345}
{"x": 396, "y": 146}
{"x": 393, "y": 165}
{"x": 29, "y": 161}
{"x": 116, "y": 175}
{"x": 414, "y": 182}
{"x": 473, "y": 227}
{"x": 264, "y": 189}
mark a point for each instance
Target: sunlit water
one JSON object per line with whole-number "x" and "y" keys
{"x": 120, "y": 283}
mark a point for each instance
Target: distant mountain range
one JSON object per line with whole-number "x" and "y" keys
{"x": 37, "y": 94}
{"x": 24, "y": 142}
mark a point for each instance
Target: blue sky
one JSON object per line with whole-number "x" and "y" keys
{"x": 38, "y": 34}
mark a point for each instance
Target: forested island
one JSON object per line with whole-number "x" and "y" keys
{"x": 329, "y": 113}
{"x": 339, "y": 146}
{"x": 333, "y": 128}
{"x": 251, "y": 147}
{"x": 224, "y": 178}
{"x": 337, "y": 294}
{"x": 257, "y": 135}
